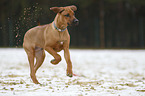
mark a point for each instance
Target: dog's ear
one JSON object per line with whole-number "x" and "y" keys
{"x": 57, "y": 9}
{"x": 73, "y": 7}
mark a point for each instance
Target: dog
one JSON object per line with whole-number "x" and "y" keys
{"x": 53, "y": 38}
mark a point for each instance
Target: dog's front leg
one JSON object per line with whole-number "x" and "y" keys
{"x": 57, "y": 57}
{"x": 68, "y": 61}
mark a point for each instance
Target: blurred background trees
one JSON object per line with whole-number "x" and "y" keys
{"x": 103, "y": 23}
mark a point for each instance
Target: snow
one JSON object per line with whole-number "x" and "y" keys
{"x": 98, "y": 73}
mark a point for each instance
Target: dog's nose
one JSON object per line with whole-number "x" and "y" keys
{"x": 76, "y": 21}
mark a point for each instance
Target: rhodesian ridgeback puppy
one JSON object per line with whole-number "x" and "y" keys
{"x": 53, "y": 38}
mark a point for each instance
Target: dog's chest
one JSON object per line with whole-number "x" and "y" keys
{"x": 58, "y": 46}
{"x": 60, "y": 42}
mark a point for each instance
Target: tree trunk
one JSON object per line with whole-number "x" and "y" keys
{"x": 4, "y": 32}
{"x": 102, "y": 36}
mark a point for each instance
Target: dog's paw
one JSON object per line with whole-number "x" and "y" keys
{"x": 33, "y": 77}
{"x": 54, "y": 62}
{"x": 69, "y": 72}
{"x": 35, "y": 81}
{"x": 70, "y": 75}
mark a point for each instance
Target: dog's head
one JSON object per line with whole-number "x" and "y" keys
{"x": 66, "y": 14}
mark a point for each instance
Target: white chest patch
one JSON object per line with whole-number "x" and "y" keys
{"x": 61, "y": 43}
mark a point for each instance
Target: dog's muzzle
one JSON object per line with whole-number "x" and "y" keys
{"x": 75, "y": 22}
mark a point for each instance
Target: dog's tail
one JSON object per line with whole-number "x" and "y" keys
{"x": 38, "y": 22}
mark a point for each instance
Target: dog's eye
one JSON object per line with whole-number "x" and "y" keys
{"x": 67, "y": 15}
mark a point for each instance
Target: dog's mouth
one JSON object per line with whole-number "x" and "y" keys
{"x": 77, "y": 23}
{"x": 68, "y": 24}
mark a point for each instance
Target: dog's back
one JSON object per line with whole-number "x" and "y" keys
{"x": 35, "y": 35}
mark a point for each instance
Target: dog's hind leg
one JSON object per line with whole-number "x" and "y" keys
{"x": 31, "y": 55}
{"x": 31, "y": 62}
{"x": 40, "y": 55}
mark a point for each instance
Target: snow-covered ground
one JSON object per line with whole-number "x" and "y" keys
{"x": 99, "y": 73}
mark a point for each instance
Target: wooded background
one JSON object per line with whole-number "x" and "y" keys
{"x": 103, "y": 23}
